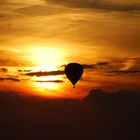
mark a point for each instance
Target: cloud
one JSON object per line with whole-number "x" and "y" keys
{"x": 97, "y": 66}
{"x": 125, "y": 71}
{"x": 132, "y": 64}
{"x": 126, "y": 66}
{"x": 5, "y": 70}
{"x": 88, "y": 66}
{"x": 23, "y": 22}
{"x": 41, "y": 10}
{"x": 51, "y": 81}
{"x": 124, "y": 95}
{"x": 109, "y": 66}
{"x": 120, "y": 66}
{"x": 40, "y": 73}
{"x": 92, "y": 66}
{"x": 102, "y": 63}
{"x": 24, "y": 70}
{"x": 7, "y": 59}
{"x": 97, "y": 5}
{"x": 9, "y": 79}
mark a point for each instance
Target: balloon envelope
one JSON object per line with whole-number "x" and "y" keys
{"x": 73, "y": 72}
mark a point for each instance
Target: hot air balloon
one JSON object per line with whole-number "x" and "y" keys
{"x": 73, "y": 72}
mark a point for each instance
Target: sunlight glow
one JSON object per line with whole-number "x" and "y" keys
{"x": 46, "y": 82}
{"x": 46, "y": 85}
{"x": 46, "y": 78}
{"x": 46, "y": 67}
{"x": 47, "y": 58}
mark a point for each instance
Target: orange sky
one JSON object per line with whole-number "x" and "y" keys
{"x": 43, "y": 35}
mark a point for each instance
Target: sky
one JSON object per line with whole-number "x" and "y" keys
{"x": 44, "y": 35}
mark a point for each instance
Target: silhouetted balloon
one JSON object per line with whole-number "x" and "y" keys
{"x": 73, "y": 72}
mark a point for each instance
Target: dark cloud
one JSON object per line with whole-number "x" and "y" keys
{"x": 5, "y": 70}
{"x": 124, "y": 95}
{"x": 138, "y": 59}
{"x": 59, "y": 72}
{"x": 125, "y": 71}
{"x": 51, "y": 81}
{"x": 85, "y": 66}
{"x": 92, "y": 66}
{"x": 89, "y": 66}
{"x": 24, "y": 70}
{"x": 102, "y": 63}
{"x": 95, "y": 66}
{"x": 10, "y": 79}
{"x": 97, "y": 5}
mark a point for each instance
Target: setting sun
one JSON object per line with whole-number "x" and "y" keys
{"x": 46, "y": 58}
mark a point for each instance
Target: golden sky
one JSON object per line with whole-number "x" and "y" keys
{"x": 47, "y": 34}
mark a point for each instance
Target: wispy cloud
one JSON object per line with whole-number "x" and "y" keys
{"x": 88, "y": 66}
{"x": 128, "y": 66}
{"x": 41, "y": 10}
{"x": 9, "y": 79}
{"x": 124, "y": 71}
{"x": 59, "y": 72}
{"x": 50, "y": 81}
{"x": 104, "y": 63}
{"x": 93, "y": 66}
{"x": 98, "y": 4}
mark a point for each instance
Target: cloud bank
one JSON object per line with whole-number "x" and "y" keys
{"x": 124, "y": 95}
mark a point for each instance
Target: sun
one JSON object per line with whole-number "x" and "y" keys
{"x": 46, "y": 58}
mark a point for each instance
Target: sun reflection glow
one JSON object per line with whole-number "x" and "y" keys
{"x": 46, "y": 82}
{"x": 46, "y": 85}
